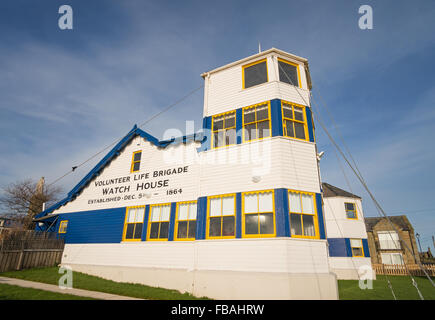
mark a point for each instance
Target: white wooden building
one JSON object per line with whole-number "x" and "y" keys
{"x": 233, "y": 213}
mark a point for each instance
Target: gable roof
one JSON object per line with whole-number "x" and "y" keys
{"x": 400, "y": 221}
{"x": 113, "y": 154}
{"x": 331, "y": 191}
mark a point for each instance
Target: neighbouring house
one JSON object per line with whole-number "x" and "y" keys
{"x": 385, "y": 244}
{"x": 8, "y": 223}
{"x": 349, "y": 254}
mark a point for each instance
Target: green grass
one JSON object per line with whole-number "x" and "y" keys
{"x": 402, "y": 286}
{"x": 9, "y": 292}
{"x": 87, "y": 282}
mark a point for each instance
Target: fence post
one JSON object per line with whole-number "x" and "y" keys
{"x": 20, "y": 258}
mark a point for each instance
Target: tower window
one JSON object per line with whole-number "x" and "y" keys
{"x": 224, "y": 129}
{"x": 289, "y": 73}
{"x": 258, "y": 214}
{"x": 63, "y": 226}
{"x": 256, "y": 122}
{"x": 350, "y": 210}
{"x": 185, "y": 228}
{"x": 303, "y": 221}
{"x": 221, "y": 216}
{"x": 294, "y": 121}
{"x": 159, "y": 222}
{"x": 255, "y": 73}
{"x": 357, "y": 248}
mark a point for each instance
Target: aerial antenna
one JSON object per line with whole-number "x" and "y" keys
{"x": 259, "y": 47}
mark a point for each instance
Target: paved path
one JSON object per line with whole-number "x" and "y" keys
{"x": 54, "y": 288}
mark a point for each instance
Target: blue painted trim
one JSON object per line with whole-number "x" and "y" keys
{"x": 310, "y": 123}
{"x": 239, "y": 125}
{"x": 201, "y": 218}
{"x": 238, "y": 215}
{"x": 276, "y": 117}
{"x": 145, "y": 223}
{"x": 172, "y": 221}
{"x": 320, "y": 217}
{"x": 366, "y": 248}
{"x": 337, "y": 247}
{"x": 206, "y": 135}
{"x": 282, "y": 213}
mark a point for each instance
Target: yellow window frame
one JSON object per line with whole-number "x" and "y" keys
{"x": 250, "y": 65}
{"x": 297, "y": 70}
{"x": 222, "y": 215}
{"x": 63, "y": 225}
{"x": 304, "y": 122}
{"x": 356, "y": 212}
{"x": 315, "y": 219}
{"x": 268, "y": 235}
{"x": 224, "y": 129}
{"x": 133, "y": 162}
{"x": 160, "y": 221}
{"x": 176, "y": 221}
{"x": 257, "y": 122}
{"x": 124, "y": 232}
{"x": 362, "y": 248}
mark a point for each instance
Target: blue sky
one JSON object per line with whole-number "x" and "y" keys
{"x": 64, "y": 95}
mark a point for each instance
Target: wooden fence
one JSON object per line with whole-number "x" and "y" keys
{"x": 29, "y": 249}
{"x": 401, "y": 270}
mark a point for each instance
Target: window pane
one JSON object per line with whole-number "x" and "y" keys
{"x": 251, "y": 224}
{"x": 192, "y": 211}
{"x": 131, "y": 215}
{"x": 215, "y": 207}
{"x": 129, "y": 231}
{"x": 386, "y": 258}
{"x": 138, "y": 230}
{"x": 266, "y": 223}
{"x": 299, "y": 130}
{"x": 299, "y": 113}
{"x": 228, "y": 205}
{"x": 230, "y": 120}
{"x": 295, "y": 202}
{"x": 251, "y": 203}
{"x": 154, "y": 232}
{"x": 295, "y": 224}
{"x": 182, "y": 230}
{"x": 136, "y": 166}
{"x": 397, "y": 258}
{"x": 289, "y": 130}
{"x": 183, "y": 211}
{"x": 249, "y": 115}
{"x": 164, "y": 230}
{"x": 166, "y": 212}
{"x": 192, "y": 229}
{"x": 228, "y": 226}
{"x": 307, "y": 203}
{"x": 219, "y": 139}
{"x": 255, "y": 74}
{"x": 215, "y": 227}
{"x": 287, "y": 111}
{"x": 155, "y": 213}
{"x": 263, "y": 129}
{"x": 251, "y": 131}
{"x": 265, "y": 202}
{"x": 218, "y": 123}
{"x": 288, "y": 73}
{"x": 351, "y": 214}
{"x": 262, "y": 112}
{"x": 349, "y": 206}
{"x": 357, "y": 252}
{"x": 137, "y": 156}
{"x": 355, "y": 243}
{"x": 230, "y": 137}
{"x": 140, "y": 214}
{"x": 308, "y": 222}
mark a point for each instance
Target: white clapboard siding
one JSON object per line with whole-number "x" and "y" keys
{"x": 279, "y": 163}
{"x": 337, "y": 224}
{"x": 257, "y": 255}
{"x": 153, "y": 159}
